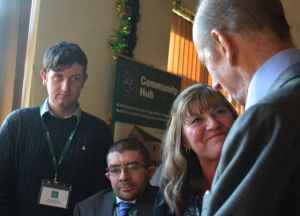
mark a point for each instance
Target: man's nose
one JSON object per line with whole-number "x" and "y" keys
{"x": 124, "y": 174}
{"x": 65, "y": 85}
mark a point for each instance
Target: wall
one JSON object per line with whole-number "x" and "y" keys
{"x": 154, "y": 33}
{"x": 190, "y": 4}
{"x": 292, "y": 8}
{"x": 9, "y": 20}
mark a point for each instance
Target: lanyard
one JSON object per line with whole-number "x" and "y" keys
{"x": 58, "y": 161}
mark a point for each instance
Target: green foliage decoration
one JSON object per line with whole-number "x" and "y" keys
{"x": 124, "y": 39}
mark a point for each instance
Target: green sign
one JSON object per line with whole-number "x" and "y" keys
{"x": 143, "y": 94}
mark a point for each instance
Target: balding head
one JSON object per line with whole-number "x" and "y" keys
{"x": 237, "y": 16}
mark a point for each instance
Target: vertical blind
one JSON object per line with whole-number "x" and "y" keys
{"x": 183, "y": 60}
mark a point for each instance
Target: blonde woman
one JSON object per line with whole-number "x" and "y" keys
{"x": 199, "y": 122}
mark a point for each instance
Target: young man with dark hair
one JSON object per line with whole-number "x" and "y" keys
{"x": 53, "y": 156}
{"x": 129, "y": 171}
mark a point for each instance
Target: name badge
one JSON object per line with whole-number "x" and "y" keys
{"x": 54, "y": 194}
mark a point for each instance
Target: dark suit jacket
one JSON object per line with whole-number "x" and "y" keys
{"x": 102, "y": 204}
{"x": 259, "y": 171}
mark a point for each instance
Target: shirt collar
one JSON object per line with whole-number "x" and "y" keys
{"x": 46, "y": 109}
{"x": 118, "y": 200}
{"x": 269, "y": 72}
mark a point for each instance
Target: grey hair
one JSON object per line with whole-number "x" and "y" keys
{"x": 237, "y": 16}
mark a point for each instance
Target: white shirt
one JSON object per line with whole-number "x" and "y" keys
{"x": 118, "y": 200}
{"x": 265, "y": 76}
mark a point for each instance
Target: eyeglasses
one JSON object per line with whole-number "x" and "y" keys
{"x": 116, "y": 170}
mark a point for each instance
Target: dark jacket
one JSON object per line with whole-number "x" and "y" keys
{"x": 259, "y": 171}
{"x": 102, "y": 204}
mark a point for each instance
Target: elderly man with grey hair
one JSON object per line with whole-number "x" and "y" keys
{"x": 246, "y": 46}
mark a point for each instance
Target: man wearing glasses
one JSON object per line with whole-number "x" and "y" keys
{"x": 128, "y": 171}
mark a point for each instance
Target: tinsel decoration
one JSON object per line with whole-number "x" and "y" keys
{"x": 124, "y": 40}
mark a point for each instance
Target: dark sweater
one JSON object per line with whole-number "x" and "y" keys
{"x": 60, "y": 130}
{"x": 25, "y": 160}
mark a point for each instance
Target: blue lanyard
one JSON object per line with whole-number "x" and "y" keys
{"x": 56, "y": 162}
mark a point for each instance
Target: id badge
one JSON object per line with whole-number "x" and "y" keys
{"x": 54, "y": 194}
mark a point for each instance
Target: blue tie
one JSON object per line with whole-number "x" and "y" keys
{"x": 123, "y": 208}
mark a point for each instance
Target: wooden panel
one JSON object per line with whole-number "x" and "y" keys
{"x": 183, "y": 60}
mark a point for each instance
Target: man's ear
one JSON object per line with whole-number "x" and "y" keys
{"x": 85, "y": 77}
{"x": 107, "y": 175}
{"x": 43, "y": 76}
{"x": 84, "y": 80}
{"x": 223, "y": 44}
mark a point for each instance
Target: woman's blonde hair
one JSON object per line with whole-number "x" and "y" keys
{"x": 177, "y": 165}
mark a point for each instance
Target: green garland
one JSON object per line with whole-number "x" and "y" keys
{"x": 124, "y": 40}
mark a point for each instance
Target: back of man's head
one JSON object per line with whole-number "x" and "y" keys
{"x": 238, "y": 16}
{"x": 64, "y": 54}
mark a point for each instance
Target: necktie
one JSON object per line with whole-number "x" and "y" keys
{"x": 123, "y": 208}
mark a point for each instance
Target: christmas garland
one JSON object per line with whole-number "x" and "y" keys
{"x": 124, "y": 39}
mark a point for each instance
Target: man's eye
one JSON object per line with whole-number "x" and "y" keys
{"x": 115, "y": 170}
{"x": 76, "y": 78}
{"x": 133, "y": 166}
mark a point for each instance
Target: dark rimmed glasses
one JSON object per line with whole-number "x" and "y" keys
{"x": 132, "y": 167}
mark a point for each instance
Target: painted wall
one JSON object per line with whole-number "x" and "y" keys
{"x": 9, "y": 21}
{"x": 154, "y": 33}
{"x": 292, "y": 8}
{"x": 190, "y": 4}
{"x": 90, "y": 23}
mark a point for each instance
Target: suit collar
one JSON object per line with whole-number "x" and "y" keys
{"x": 144, "y": 203}
{"x": 107, "y": 206}
{"x": 268, "y": 72}
{"x": 290, "y": 73}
